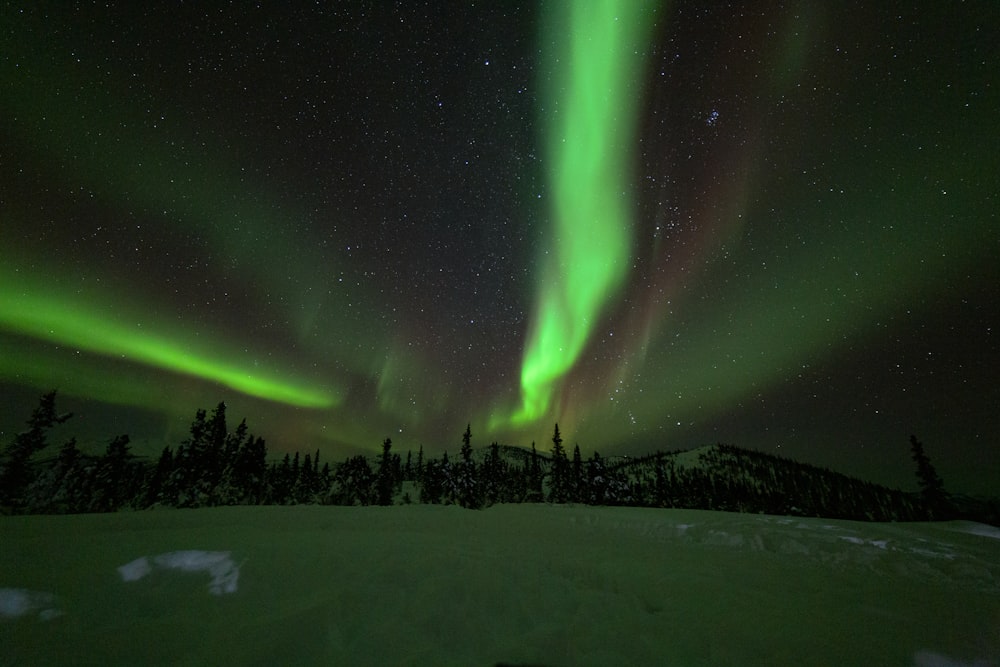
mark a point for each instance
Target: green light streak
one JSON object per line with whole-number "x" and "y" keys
{"x": 160, "y": 167}
{"x": 597, "y": 53}
{"x": 77, "y": 323}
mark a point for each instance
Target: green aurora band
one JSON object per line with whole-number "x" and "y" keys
{"x": 102, "y": 330}
{"x": 199, "y": 187}
{"x": 590, "y": 126}
{"x": 121, "y": 159}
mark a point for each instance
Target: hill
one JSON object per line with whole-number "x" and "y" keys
{"x": 730, "y": 478}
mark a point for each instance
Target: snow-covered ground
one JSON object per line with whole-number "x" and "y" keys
{"x": 519, "y": 584}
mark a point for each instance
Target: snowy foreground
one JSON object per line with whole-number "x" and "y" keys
{"x": 518, "y": 584}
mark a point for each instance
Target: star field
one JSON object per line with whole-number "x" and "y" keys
{"x": 660, "y": 225}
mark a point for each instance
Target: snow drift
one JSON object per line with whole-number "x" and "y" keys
{"x": 516, "y": 584}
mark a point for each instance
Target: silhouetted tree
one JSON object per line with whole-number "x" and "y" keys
{"x": 559, "y": 479}
{"x": 280, "y": 481}
{"x": 577, "y": 482}
{"x": 597, "y": 480}
{"x": 466, "y": 450}
{"x": 234, "y": 441}
{"x": 431, "y": 486}
{"x": 449, "y": 490}
{"x": 660, "y": 490}
{"x": 176, "y": 491}
{"x": 386, "y": 483}
{"x": 302, "y": 488}
{"x": 533, "y": 492}
{"x": 157, "y": 490}
{"x": 15, "y": 466}
{"x": 931, "y": 486}
{"x": 62, "y": 488}
{"x": 325, "y": 478}
{"x": 493, "y": 476}
{"x": 354, "y": 482}
{"x": 197, "y": 463}
{"x": 318, "y": 480}
{"x": 466, "y": 482}
{"x": 117, "y": 478}
{"x": 244, "y": 478}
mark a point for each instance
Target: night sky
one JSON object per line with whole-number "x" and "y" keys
{"x": 661, "y": 226}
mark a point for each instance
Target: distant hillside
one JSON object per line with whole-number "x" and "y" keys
{"x": 730, "y": 478}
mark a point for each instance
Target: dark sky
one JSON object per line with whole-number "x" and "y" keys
{"x": 768, "y": 224}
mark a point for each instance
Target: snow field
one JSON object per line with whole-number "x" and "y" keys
{"x": 536, "y": 584}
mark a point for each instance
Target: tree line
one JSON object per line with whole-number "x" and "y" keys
{"x": 216, "y": 466}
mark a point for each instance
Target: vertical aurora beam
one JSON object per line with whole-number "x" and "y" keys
{"x": 595, "y": 64}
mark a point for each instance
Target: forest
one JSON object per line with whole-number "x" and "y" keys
{"x": 216, "y": 466}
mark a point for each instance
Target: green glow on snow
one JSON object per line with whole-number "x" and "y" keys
{"x": 597, "y": 57}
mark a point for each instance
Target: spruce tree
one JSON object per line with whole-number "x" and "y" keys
{"x": 115, "y": 482}
{"x": 597, "y": 480}
{"x": 492, "y": 476}
{"x": 16, "y": 473}
{"x": 931, "y": 486}
{"x": 302, "y": 489}
{"x": 431, "y": 483}
{"x": 660, "y": 492}
{"x": 466, "y": 482}
{"x": 253, "y": 465}
{"x": 616, "y": 488}
{"x": 534, "y": 492}
{"x": 234, "y": 442}
{"x": 195, "y": 459}
{"x": 577, "y": 482}
{"x": 316, "y": 489}
{"x": 280, "y": 481}
{"x": 62, "y": 488}
{"x": 449, "y": 492}
{"x": 559, "y": 480}
{"x": 325, "y": 479}
{"x": 385, "y": 483}
{"x": 355, "y": 482}
{"x": 157, "y": 490}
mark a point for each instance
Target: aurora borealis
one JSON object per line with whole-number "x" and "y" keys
{"x": 588, "y": 139}
{"x": 659, "y": 224}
